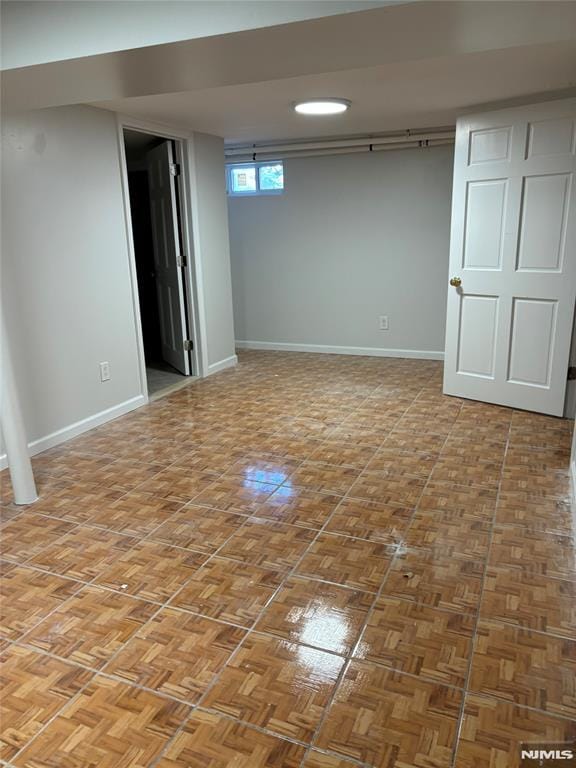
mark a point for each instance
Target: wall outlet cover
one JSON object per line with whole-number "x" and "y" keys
{"x": 105, "y": 371}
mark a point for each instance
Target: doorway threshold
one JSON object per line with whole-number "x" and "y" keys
{"x": 170, "y": 388}
{"x": 163, "y": 379}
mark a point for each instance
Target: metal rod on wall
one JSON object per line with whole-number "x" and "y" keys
{"x": 263, "y": 156}
{"x": 406, "y": 139}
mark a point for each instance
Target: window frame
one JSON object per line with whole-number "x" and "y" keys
{"x": 257, "y": 164}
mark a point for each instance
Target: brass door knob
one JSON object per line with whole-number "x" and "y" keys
{"x": 456, "y": 282}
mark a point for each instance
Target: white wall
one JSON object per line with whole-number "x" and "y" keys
{"x": 65, "y": 269}
{"x": 352, "y": 237}
{"x": 39, "y": 31}
{"x": 65, "y": 274}
{"x": 212, "y": 246}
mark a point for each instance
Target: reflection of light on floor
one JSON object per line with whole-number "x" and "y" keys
{"x": 285, "y": 492}
{"x": 324, "y": 627}
{"x": 275, "y": 477}
{"x": 319, "y": 666}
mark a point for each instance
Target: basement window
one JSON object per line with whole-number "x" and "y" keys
{"x": 245, "y": 179}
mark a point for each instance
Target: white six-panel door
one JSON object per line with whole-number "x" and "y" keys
{"x": 513, "y": 257}
{"x": 167, "y": 257}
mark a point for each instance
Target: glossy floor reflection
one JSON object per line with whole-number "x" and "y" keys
{"x": 310, "y": 561}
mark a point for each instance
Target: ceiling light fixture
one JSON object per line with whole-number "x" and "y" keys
{"x": 322, "y": 106}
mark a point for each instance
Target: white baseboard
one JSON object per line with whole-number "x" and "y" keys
{"x": 570, "y": 403}
{"x": 221, "y": 365}
{"x": 279, "y": 346}
{"x": 73, "y": 430}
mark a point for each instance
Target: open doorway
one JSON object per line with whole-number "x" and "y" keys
{"x": 155, "y": 197}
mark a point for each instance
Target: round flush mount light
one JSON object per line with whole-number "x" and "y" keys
{"x": 322, "y": 106}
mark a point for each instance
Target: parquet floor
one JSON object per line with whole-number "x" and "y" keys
{"x": 307, "y": 562}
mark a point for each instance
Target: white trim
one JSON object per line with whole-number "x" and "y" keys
{"x": 280, "y": 346}
{"x": 131, "y": 259}
{"x": 570, "y": 402}
{"x": 192, "y": 275}
{"x": 573, "y": 468}
{"x": 221, "y": 365}
{"x": 84, "y": 425}
{"x": 150, "y": 126}
{"x": 185, "y": 152}
{"x": 195, "y": 263}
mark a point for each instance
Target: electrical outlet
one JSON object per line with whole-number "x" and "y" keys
{"x": 384, "y": 323}
{"x": 105, "y": 371}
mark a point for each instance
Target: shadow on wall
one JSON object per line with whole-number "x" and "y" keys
{"x": 142, "y": 231}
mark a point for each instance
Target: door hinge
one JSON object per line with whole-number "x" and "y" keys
{"x": 572, "y": 373}
{"x": 181, "y": 260}
{"x": 188, "y": 345}
{"x": 175, "y": 169}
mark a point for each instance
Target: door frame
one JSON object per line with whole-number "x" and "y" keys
{"x": 192, "y": 274}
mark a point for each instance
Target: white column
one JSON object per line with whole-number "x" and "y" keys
{"x": 13, "y": 430}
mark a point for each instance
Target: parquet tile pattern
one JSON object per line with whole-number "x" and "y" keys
{"x": 359, "y": 564}
{"x": 525, "y": 667}
{"x": 124, "y": 475}
{"x": 492, "y": 731}
{"x": 27, "y": 534}
{"x": 299, "y": 506}
{"x": 83, "y": 553}
{"x": 28, "y": 596}
{"x": 136, "y": 513}
{"x": 325, "y": 616}
{"x": 76, "y": 502}
{"x": 107, "y": 725}
{"x": 229, "y": 591}
{"x": 281, "y": 686}
{"x": 34, "y": 688}
{"x": 428, "y": 642}
{"x": 211, "y": 741}
{"x": 91, "y": 626}
{"x": 177, "y": 484}
{"x": 177, "y": 653}
{"x": 197, "y": 528}
{"x": 310, "y": 561}
{"x": 269, "y": 544}
{"x": 381, "y": 717}
{"x": 151, "y": 571}
{"x": 437, "y": 578}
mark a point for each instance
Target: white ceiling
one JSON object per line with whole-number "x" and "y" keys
{"x": 41, "y": 31}
{"x": 405, "y": 65}
{"x": 414, "y": 94}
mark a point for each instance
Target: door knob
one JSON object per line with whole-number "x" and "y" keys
{"x": 456, "y": 282}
